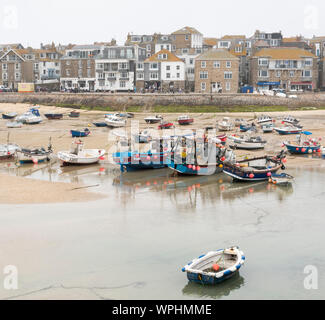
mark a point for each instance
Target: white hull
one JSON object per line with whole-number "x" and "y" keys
{"x": 223, "y": 127}
{"x": 247, "y": 145}
{"x": 8, "y": 150}
{"x": 25, "y": 157}
{"x": 14, "y": 125}
{"x": 85, "y": 157}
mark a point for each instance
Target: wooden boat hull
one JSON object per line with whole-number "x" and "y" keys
{"x": 199, "y": 270}
{"x": 54, "y": 116}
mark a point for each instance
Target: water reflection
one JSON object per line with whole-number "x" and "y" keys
{"x": 222, "y": 290}
{"x": 184, "y": 192}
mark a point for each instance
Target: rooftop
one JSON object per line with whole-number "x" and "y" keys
{"x": 170, "y": 57}
{"x": 217, "y": 54}
{"x": 285, "y": 53}
{"x": 187, "y": 30}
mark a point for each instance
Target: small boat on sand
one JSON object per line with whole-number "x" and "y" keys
{"x": 14, "y": 124}
{"x": 8, "y": 151}
{"x": 115, "y": 122}
{"x": 264, "y": 119}
{"x": 80, "y": 134}
{"x": 246, "y": 128}
{"x": 9, "y": 116}
{"x": 268, "y": 128}
{"x": 166, "y": 125}
{"x": 30, "y": 117}
{"x": 143, "y": 137}
{"x": 254, "y": 169}
{"x": 80, "y": 156}
{"x": 215, "y": 267}
{"x": 185, "y": 120}
{"x": 303, "y": 145}
{"x": 153, "y": 119}
{"x": 54, "y": 116}
{"x": 74, "y": 114}
{"x": 291, "y": 120}
{"x": 100, "y": 124}
{"x": 288, "y": 130}
{"x": 246, "y": 143}
{"x": 281, "y": 179}
{"x": 226, "y": 124}
{"x": 34, "y": 155}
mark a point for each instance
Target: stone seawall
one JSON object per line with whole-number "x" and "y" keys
{"x": 119, "y": 101}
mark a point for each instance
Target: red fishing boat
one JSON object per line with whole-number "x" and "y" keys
{"x": 166, "y": 125}
{"x": 185, "y": 120}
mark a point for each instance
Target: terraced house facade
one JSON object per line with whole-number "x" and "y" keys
{"x": 286, "y": 68}
{"x": 217, "y": 71}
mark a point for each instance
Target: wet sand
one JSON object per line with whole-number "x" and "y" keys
{"x": 17, "y": 190}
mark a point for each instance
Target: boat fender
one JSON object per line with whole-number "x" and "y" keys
{"x": 216, "y": 267}
{"x": 283, "y": 167}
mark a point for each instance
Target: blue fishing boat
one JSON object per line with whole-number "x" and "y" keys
{"x": 134, "y": 161}
{"x": 255, "y": 169}
{"x": 100, "y": 124}
{"x": 80, "y": 134}
{"x": 246, "y": 128}
{"x": 304, "y": 145}
{"x": 288, "y": 130}
{"x": 9, "y": 116}
{"x": 188, "y": 152}
{"x": 215, "y": 267}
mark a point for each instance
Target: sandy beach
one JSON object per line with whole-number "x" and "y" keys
{"x": 19, "y": 190}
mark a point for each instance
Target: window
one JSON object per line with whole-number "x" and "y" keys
{"x": 168, "y": 75}
{"x": 17, "y": 76}
{"x": 184, "y": 51}
{"x": 5, "y": 76}
{"x": 238, "y": 49}
{"x": 153, "y": 76}
{"x": 168, "y": 68}
{"x": 101, "y": 83}
{"x": 100, "y": 66}
{"x": 203, "y": 86}
{"x": 89, "y": 73}
{"x": 178, "y": 75}
{"x": 123, "y": 66}
{"x": 173, "y": 48}
{"x": 224, "y": 44}
{"x": 124, "y": 75}
{"x": 191, "y": 61}
{"x": 228, "y": 75}
{"x": 308, "y": 62}
{"x": 101, "y": 76}
{"x": 306, "y": 73}
{"x": 67, "y": 72}
{"x": 263, "y": 62}
{"x": 36, "y": 66}
{"x": 187, "y": 37}
{"x": 263, "y": 73}
{"x": 216, "y": 64}
{"x": 80, "y": 64}
{"x": 228, "y": 86}
{"x": 178, "y": 68}
{"x": 4, "y": 66}
{"x": 140, "y": 66}
{"x": 203, "y": 64}
{"x": 140, "y": 76}
{"x": 148, "y": 47}
{"x": 153, "y": 66}
{"x": 17, "y": 66}
{"x": 204, "y": 75}
{"x": 278, "y": 74}
{"x": 122, "y": 84}
{"x": 292, "y": 74}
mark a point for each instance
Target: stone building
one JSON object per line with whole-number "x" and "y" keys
{"x": 217, "y": 71}
{"x": 285, "y": 68}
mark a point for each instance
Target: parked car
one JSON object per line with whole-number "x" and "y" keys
{"x": 4, "y": 89}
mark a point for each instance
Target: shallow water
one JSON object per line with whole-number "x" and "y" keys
{"x": 134, "y": 243}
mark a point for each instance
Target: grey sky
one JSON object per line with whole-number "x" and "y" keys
{"x": 77, "y": 21}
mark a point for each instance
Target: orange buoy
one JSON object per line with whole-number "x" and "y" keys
{"x": 216, "y": 267}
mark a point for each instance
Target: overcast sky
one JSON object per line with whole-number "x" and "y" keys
{"x": 77, "y": 21}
